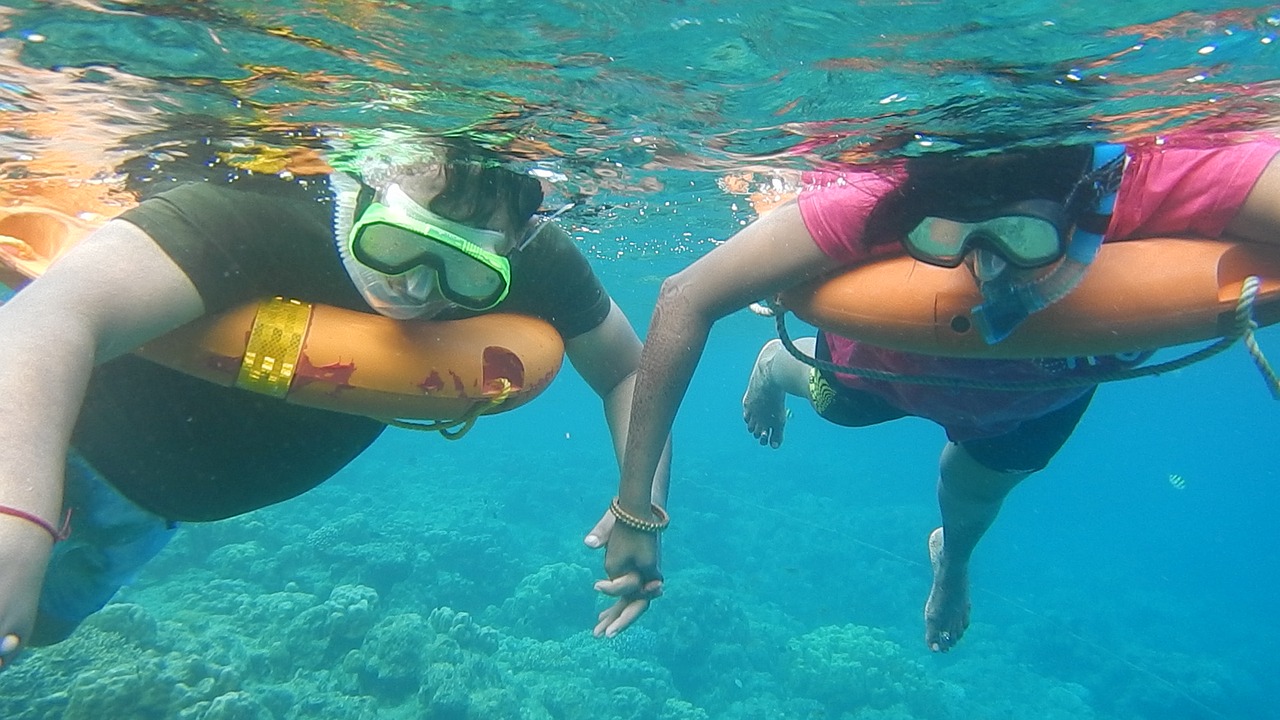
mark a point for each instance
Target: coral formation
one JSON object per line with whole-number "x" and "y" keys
{"x": 270, "y": 617}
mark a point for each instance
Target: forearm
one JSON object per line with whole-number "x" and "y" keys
{"x": 114, "y": 291}
{"x": 677, "y": 336}
{"x": 42, "y": 381}
{"x": 617, "y": 410}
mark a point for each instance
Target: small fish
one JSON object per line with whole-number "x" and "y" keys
{"x": 1177, "y": 482}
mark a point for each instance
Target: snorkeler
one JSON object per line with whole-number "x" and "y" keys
{"x": 127, "y": 449}
{"x": 1025, "y": 224}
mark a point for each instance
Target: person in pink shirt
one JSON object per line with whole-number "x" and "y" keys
{"x": 1026, "y": 224}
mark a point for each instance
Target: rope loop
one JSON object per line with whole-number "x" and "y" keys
{"x": 457, "y": 428}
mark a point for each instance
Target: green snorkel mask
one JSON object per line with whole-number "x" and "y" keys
{"x": 401, "y": 237}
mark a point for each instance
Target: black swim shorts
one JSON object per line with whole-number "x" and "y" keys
{"x": 1026, "y": 448}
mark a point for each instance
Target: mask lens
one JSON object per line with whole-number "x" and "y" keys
{"x": 938, "y": 241}
{"x": 1024, "y": 240}
{"x": 463, "y": 275}
{"x": 388, "y": 248}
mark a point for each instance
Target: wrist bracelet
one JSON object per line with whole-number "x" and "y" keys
{"x": 57, "y": 534}
{"x": 641, "y": 524}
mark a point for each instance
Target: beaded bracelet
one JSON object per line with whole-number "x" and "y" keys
{"x": 641, "y": 524}
{"x": 58, "y": 534}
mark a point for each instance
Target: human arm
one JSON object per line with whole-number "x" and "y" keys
{"x": 606, "y": 357}
{"x": 1258, "y": 220}
{"x": 111, "y": 293}
{"x": 773, "y": 253}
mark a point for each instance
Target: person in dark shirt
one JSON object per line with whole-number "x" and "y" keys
{"x": 142, "y": 447}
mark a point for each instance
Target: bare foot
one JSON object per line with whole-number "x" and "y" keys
{"x": 764, "y": 405}
{"x": 946, "y": 613}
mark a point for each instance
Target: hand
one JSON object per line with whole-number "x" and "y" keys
{"x": 631, "y": 561}
{"x": 599, "y": 535}
{"x": 24, "y": 554}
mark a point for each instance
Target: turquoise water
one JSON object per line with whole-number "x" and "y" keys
{"x": 448, "y": 580}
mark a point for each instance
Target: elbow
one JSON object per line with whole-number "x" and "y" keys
{"x": 680, "y": 317}
{"x": 689, "y": 299}
{"x": 678, "y": 298}
{"x": 673, "y": 287}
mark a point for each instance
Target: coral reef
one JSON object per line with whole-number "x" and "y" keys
{"x": 310, "y": 611}
{"x": 548, "y": 604}
{"x": 851, "y": 668}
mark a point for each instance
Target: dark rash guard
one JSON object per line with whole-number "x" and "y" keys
{"x": 191, "y": 450}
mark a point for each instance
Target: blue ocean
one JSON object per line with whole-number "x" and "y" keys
{"x": 1135, "y": 578}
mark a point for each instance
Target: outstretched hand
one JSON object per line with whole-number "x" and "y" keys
{"x": 631, "y": 562}
{"x": 24, "y": 553}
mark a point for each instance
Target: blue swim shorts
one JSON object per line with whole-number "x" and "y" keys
{"x": 111, "y": 539}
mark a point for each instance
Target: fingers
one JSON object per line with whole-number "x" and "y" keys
{"x": 630, "y": 585}
{"x": 620, "y": 615}
{"x": 599, "y": 535}
{"x": 633, "y": 596}
{"x": 608, "y": 617}
{"x": 9, "y": 646}
{"x": 621, "y": 586}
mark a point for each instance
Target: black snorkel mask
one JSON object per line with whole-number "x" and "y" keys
{"x": 1061, "y": 236}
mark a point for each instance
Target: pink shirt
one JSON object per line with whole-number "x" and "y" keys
{"x": 1182, "y": 185}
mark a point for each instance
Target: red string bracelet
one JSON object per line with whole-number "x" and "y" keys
{"x": 58, "y": 534}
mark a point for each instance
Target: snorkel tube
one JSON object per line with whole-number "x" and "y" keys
{"x": 1006, "y": 303}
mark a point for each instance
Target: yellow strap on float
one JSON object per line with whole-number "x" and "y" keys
{"x": 275, "y": 344}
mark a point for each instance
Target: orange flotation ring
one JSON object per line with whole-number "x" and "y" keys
{"x": 1138, "y": 295}
{"x": 327, "y": 357}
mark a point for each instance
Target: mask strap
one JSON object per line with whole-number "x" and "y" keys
{"x": 542, "y": 223}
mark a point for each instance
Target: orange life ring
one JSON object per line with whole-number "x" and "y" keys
{"x": 1137, "y": 295}
{"x": 345, "y": 361}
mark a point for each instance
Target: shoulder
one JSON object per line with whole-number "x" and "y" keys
{"x": 235, "y": 219}
{"x": 835, "y": 206}
{"x": 240, "y": 242}
{"x": 552, "y": 257}
{"x": 552, "y": 279}
{"x": 869, "y": 183}
{"x": 550, "y": 242}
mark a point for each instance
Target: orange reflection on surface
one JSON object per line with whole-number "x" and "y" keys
{"x": 68, "y": 135}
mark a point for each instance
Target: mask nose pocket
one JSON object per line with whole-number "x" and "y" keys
{"x": 986, "y": 265}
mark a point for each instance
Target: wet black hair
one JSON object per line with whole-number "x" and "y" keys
{"x": 476, "y": 186}
{"x": 961, "y": 184}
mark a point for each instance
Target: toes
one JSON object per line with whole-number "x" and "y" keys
{"x": 767, "y": 431}
{"x": 942, "y": 642}
{"x": 945, "y": 640}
